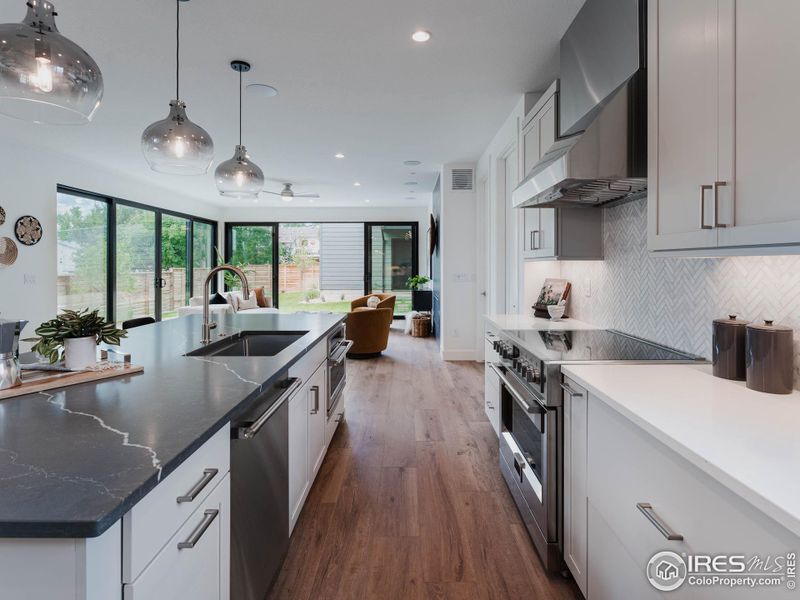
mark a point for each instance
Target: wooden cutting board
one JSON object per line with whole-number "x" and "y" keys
{"x": 42, "y": 381}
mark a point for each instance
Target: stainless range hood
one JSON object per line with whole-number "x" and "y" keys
{"x": 604, "y": 90}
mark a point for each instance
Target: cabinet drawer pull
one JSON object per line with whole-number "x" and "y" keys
{"x": 315, "y": 389}
{"x": 572, "y": 393}
{"x": 536, "y": 242}
{"x": 703, "y": 189}
{"x": 208, "y": 475}
{"x": 717, "y": 185}
{"x": 208, "y": 518}
{"x": 647, "y": 510}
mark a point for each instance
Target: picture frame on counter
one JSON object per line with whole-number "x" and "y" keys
{"x": 553, "y": 291}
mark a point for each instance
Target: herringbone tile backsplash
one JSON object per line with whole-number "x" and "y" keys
{"x": 674, "y": 300}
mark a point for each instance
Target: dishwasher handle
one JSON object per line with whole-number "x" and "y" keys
{"x": 251, "y": 430}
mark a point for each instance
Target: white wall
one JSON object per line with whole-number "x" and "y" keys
{"x": 30, "y": 176}
{"x": 459, "y": 255}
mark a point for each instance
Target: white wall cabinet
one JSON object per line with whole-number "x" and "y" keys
{"x": 536, "y": 137}
{"x": 575, "y": 497}
{"x": 722, "y": 127}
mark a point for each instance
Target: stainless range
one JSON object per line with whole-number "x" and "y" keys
{"x": 531, "y": 428}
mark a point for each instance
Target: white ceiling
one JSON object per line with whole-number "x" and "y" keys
{"x": 349, "y": 76}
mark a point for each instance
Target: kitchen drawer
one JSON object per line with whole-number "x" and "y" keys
{"x": 200, "y": 572}
{"x": 310, "y": 361}
{"x": 628, "y": 466}
{"x": 156, "y": 518}
{"x": 612, "y": 573}
{"x": 336, "y": 417}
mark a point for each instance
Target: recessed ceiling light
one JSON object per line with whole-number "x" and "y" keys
{"x": 411, "y": 183}
{"x": 411, "y": 198}
{"x": 366, "y": 200}
{"x": 412, "y": 172}
{"x": 412, "y": 163}
{"x": 421, "y": 36}
{"x": 262, "y": 89}
{"x": 338, "y": 155}
{"x": 357, "y": 184}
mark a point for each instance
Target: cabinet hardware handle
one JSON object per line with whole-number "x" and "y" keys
{"x": 208, "y": 475}
{"x": 572, "y": 393}
{"x": 519, "y": 464}
{"x": 246, "y": 433}
{"x": 315, "y": 389}
{"x": 208, "y": 518}
{"x": 717, "y": 185}
{"x": 647, "y": 510}
{"x": 703, "y": 189}
{"x": 536, "y": 242}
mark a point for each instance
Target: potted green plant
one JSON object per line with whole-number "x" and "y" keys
{"x": 417, "y": 281}
{"x": 75, "y": 334}
{"x": 421, "y": 299}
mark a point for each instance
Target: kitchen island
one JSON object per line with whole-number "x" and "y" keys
{"x": 75, "y": 461}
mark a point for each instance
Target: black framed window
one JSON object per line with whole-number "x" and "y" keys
{"x": 129, "y": 259}
{"x": 322, "y": 266}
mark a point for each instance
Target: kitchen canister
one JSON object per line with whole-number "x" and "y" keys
{"x": 769, "y": 358}
{"x": 728, "y": 348}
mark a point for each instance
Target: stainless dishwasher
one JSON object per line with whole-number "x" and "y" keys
{"x": 260, "y": 492}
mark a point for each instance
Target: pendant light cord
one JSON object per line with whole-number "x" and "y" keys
{"x": 178, "y": 50}
{"x": 240, "y": 107}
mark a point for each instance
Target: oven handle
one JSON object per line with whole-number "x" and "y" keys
{"x": 520, "y": 400}
{"x": 339, "y": 357}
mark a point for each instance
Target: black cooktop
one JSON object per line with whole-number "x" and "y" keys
{"x": 594, "y": 344}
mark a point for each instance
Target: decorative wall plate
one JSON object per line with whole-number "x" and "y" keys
{"x": 8, "y": 252}
{"x": 28, "y": 230}
{"x": 2, "y": 215}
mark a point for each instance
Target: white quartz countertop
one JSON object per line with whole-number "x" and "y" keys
{"x": 525, "y": 322}
{"x": 748, "y": 441}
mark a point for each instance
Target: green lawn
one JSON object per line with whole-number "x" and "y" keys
{"x": 293, "y": 302}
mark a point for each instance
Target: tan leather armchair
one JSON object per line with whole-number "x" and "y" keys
{"x": 386, "y": 301}
{"x": 369, "y": 330}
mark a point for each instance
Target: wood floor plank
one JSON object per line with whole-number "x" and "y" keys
{"x": 409, "y": 502}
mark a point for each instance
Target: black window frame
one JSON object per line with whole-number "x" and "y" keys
{"x": 414, "y": 225}
{"x": 111, "y": 243}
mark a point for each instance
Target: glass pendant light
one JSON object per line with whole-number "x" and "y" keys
{"x": 44, "y": 77}
{"x": 239, "y": 177}
{"x": 176, "y": 145}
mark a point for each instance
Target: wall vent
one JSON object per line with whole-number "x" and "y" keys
{"x": 461, "y": 180}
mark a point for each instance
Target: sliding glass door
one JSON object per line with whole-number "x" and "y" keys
{"x": 129, "y": 260}
{"x": 253, "y": 248}
{"x": 391, "y": 259}
{"x": 174, "y": 280}
{"x": 135, "y": 268}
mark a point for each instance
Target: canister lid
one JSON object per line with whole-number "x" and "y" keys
{"x": 731, "y": 320}
{"x": 768, "y": 326}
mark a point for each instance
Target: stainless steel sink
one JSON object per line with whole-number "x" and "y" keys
{"x": 250, "y": 343}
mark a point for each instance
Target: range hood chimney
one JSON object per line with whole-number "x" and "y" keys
{"x": 602, "y": 154}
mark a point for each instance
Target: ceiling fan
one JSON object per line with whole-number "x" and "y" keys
{"x": 287, "y": 194}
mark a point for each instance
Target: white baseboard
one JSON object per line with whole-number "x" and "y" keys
{"x": 459, "y": 354}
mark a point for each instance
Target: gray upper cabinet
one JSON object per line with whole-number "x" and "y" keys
{"x": 550, "y": 233}
{"x": 722, "y": 129}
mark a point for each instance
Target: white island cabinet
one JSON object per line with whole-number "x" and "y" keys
{"x": 175, "y": 543}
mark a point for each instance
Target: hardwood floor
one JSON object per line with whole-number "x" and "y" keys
{"x": 409, "y": 503}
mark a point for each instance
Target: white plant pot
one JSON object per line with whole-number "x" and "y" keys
{"x": 80, "y": 353}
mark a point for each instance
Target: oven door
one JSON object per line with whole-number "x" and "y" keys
{"x": 528, "y": 461}
{"x": 337, "y": 371}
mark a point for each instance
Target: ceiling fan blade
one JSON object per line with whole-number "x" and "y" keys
{"x": 273, "y": 193}
{"x": 306, "y": 195}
